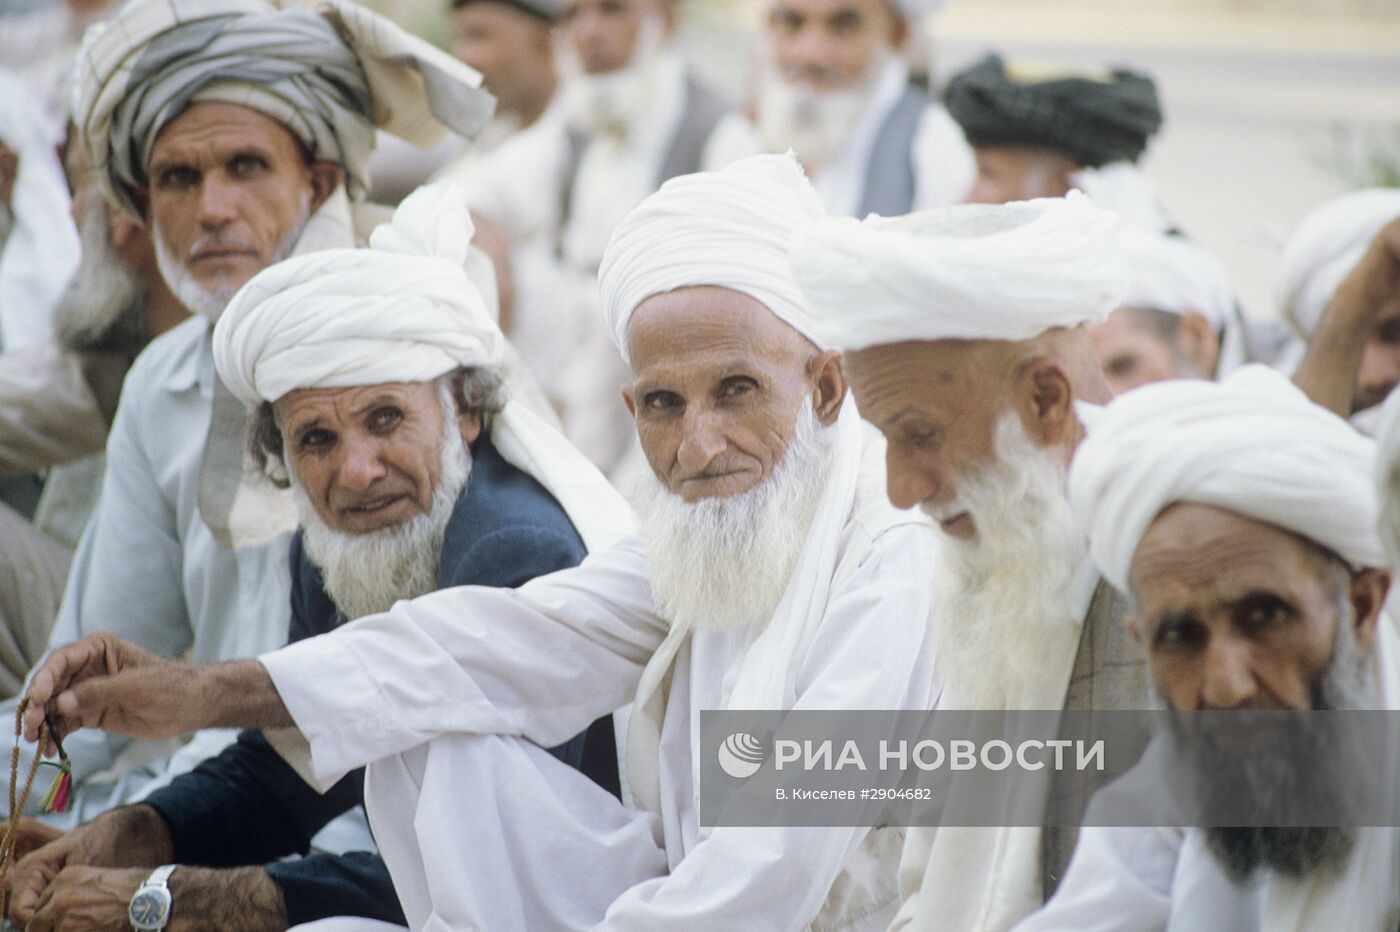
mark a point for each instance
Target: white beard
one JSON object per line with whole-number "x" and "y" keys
{"x": 103, "y": 305}
{"x": 1004, "y": 599}
{"x": 814, "y": 124}
{"x": 209, "y": 303}
{"x": 610, "y": 102}
{"x": 724, "y": 563}
{"x": 365, "y": 574}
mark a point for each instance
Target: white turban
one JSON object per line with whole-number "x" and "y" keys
{"x": 1388, "y": 475}
{"x": 1327, "y": 245}
{"x": 1171, "y": 273}
{"x": 403, "y": 310}
{"x": 1252, "y": 444}
{"x": 331, "y": 72}
{"x": 915, "y": 12}
{"x": 728, "y": 228}
{"x": 969, "y": 272}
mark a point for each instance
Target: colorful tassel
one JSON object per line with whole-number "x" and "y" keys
{"x": 56, "y": 800}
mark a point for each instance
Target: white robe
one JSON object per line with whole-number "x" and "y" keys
{"x": 1142, "y": 879}
{"x": 481, "y": 829}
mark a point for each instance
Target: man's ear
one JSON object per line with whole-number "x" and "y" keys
{"x": 828, "y": 386}
{"x": 468, "y": 422}
{"x": 1046, "y": 403}
{"x": 629, "y": 401}
{"x": 669, "y": 14}
{"x": 121, "y": 226}
{"x": 1367, "y": 598}
{"x": 1197, "y": 342}
{"x": 899, "y": 29}
{"x": 325, "y": 178}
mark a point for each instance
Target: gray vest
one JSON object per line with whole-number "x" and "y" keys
{"x": 701, "y": 111}
{"x": 1109, "y": 673}
{"x": 890, "y": 178}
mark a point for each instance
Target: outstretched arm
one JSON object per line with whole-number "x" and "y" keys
{"x": 105, "y": 682}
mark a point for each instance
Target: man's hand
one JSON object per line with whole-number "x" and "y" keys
{"x": 31, "y": 835}
{"x": 95, "y": 899}
{"x": 130, "y": 836}
{"x": 107, "y": 683}
{"x": 1329, "y": 369}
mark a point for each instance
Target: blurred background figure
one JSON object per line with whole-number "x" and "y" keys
{"x": 511, "y": 43}
{"x": 632, "y": 115}
{"x": 835, "y": 86}
{"x": 1179, "y": 320}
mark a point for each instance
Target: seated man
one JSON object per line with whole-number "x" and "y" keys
{"x": 236, "y": 132}
{"x": 1242, "y": 519}
{"x": 770, "y": 573}
{"x": 965, "y": 333}
{"x": 1316, "y": 284}
{"x": 382, "y": 410}
{"x": 1178, "y": 320}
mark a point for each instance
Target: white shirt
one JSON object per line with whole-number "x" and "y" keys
{"x": 544, "y": 661}
{"x": 148, "y": 570}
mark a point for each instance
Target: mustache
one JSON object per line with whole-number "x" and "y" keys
{"x": 817, "y": 74}
{"x": 218, "y": 242}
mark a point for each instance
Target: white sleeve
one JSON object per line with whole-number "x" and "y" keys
{"x": 541, "y": 662}
{"x": 871, "y": 652}
{"x": 944, "y": 165}
{"x": 1119, "y": 880}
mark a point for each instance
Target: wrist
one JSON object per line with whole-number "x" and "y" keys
{"x": 129, "y": 836}
{"x": 242, "y": 899}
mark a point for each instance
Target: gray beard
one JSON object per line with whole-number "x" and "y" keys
{"x": 611, "y": 102}
{"x": 365, "y": 574}
{"x": 1003, "y": 599}
{"x": 724, "y": 563}
{"x": 103, "y": 306}
{"x": 815, "y": 125}
{"x": 209, "y": 303}
{"x": 1312, "y": 770}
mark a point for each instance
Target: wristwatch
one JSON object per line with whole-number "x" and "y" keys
{"x": 150, "y": 904}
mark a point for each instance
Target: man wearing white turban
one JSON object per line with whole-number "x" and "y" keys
{"x": 965, "y": 333}
{"x": 771, "y": 573}
{"x": 1178, "y": 320}
{"x": 383, "y": 398}
{"x": 1242, "y": 519}
{"x": 834, "y": 87}
{"x": 237, "y": 132}
{"x": 1359, "y": 338}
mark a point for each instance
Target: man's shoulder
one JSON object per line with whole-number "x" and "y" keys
{"x": 171, "y": 357}
{"x": 506, "y": 528}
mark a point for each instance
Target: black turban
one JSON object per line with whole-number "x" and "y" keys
{"x": 1093, "y": 120}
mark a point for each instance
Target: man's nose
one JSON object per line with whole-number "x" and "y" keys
{"x": 360, "y": 466}
{"x": 702, "y": 439}
{"x": 1228, "y": 680}
{"x": 906, "y": 485}
{"x": 218, "y": 201}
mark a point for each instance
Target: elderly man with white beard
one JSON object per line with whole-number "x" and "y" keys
{"x": 965, "y": 333}
{"x": 834, "y": 87}
{"x": 228, "y": 174}
{"x": 1243, "y": 520}
{"x": 383, "y": 399}
{"x": 633, "y": 116}
{"x": 771, "y": 572}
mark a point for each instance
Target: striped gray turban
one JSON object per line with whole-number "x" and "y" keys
{"x": 331, "y": 74}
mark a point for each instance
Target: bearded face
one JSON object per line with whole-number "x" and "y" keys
{"x": 1004, "y": 596}
{"x": 723, "y": 563}
{"x": 102, "y": 309}
{"x": 366, "y": 573}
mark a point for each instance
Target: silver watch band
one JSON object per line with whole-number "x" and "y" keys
{"x": 160, "y": 876}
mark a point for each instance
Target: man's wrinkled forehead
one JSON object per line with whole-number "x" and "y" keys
{"x": 348, "y": 400}
{"x": 1192, "y": 551}
{"x": 696, "y": 322}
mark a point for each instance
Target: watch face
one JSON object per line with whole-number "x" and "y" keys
{"x": 149, "y": 908}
